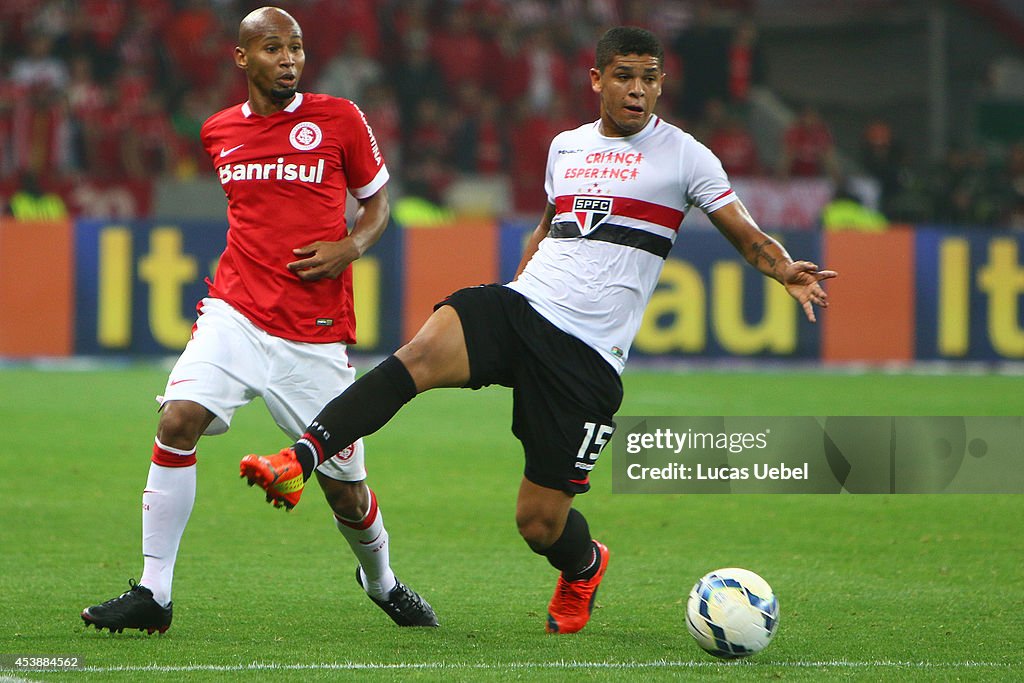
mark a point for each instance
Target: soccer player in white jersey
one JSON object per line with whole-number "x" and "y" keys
{"x": 278, "y": 316}
{"x": 560, "y": 333}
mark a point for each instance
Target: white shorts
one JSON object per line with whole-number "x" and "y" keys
{"x": 229, "y": 362}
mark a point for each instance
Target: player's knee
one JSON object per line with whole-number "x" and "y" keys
{"x": 436, "y": 356}
{"x": 538, "y": 531}
{"x": 414, "y": 354}
{"x": 181, "y": 424}
{"x": 422, "y": 362}
{"x": 348, "y": 499}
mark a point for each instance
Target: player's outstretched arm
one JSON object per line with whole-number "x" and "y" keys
{"x": 325, "y": 259}
{"x": 802, "y": 279}
{"x": 539, "y": 233}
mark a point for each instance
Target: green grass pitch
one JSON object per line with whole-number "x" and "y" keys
{"x": 904, "y": 587}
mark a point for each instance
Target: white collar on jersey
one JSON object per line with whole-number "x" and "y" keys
{"x": 292, "y": 106}
{"x": 652, "y": 123}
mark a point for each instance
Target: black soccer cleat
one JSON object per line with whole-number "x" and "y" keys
{"x": 135, "y": 608}
{"x": 404, "y": 605}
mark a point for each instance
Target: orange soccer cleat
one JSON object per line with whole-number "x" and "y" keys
{"x": 573, "y": 601}
{"x": 280, "y": 475}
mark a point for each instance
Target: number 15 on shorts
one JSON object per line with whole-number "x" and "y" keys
{"x": 595, "y": 436}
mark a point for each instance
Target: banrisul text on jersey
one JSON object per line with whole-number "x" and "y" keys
{"x": 274, "y": 170}
{"x": 291, "y": 168}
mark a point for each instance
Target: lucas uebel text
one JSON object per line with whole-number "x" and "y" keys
{"x": 699, "y": 472}
{"x": 668, "y": 441}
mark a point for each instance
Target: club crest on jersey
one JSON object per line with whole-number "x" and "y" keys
{"x": 346, "y": 453}
{"x": 590, "y": 211}
{"x": 305, "y": 136}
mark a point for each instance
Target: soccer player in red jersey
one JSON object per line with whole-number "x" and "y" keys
{"x": 278, "y": 316}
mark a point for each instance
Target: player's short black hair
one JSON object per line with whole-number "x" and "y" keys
{"x": 628, "y": 40}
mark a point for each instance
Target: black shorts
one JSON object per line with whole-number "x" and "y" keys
{"x": 564, "y": 394}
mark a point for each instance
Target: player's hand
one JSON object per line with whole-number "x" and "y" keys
{"x": 321, "y": 260}
{"x": 803, "y": 282}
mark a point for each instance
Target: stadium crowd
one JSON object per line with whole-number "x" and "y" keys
{"x": 111, "y": 89}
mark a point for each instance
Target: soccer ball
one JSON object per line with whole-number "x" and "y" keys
{"x": 732, "y": 613}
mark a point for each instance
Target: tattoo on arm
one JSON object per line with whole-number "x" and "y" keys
{"x": 761, "y": 253}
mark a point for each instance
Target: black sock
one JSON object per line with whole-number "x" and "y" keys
{"x": 362, "y": 409}
{"x": 574, "y": 553}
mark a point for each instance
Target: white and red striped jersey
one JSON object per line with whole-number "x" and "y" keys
{"x": 619, "y": 204}
{"x": 286, "y": 176}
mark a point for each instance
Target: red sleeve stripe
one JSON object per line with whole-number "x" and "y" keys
{"x": 721, "y": 196}
{"x": 665, "y": 216}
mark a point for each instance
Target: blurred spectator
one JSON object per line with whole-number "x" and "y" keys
{"x": 530, "y": 139}
{"x": 187, "y": 120}
{"x": 703, "y": 50}
{"x": 39, "y": 68}
{"x": 132, "y": 86}
{"x": 666, "y": 18}
{"x": 348, "y": 73}
{"x": 5, "y": 47}
{"x": 534, "y": 70}
{"x": 746, "y": 62}
{"x": 733, "y": 144}
{"x": 807, "y": 147}
{"x": 530, "y": 14}
{"x": 428, "y": 176}
{"x": 140, "y": 45}
{"x": 1013, "y": 182}
{"x": 152, "y": 148}
{"x": 85, "y": 105}
{"x": 7, "y": 108}
{"x": 410, "y": 24}
{"x": 380, "y": 107}
{"x": 418, "y": 78}
{"x": 479, "y": 142}
{"x": 963, "y": 191}
{"x": 543, "y": 68}
{"x": 194, "y": 42}
{"x": 581, "y": 98}
{"x": 846, "y": 212}
{"x": 329, "y": 25}
{"x": 459, "y": 50}
{"x": 904, "y": 193}
{"x": 1004, "y": 78}
{"x": 105, "y": 20}
{"x": 429, "y": 135}
{"x": 78, "y": 39}
{"x": 40, "y": 132}
{"x": 51, "y": 19}
{"x": 83, "y": 92}
{"x": 31, "y": 203}
{"x": 881, "y": 155}
{"x": 229, "y": 88}
{"x": 711, "y": 119}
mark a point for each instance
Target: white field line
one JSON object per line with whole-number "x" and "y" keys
{"x": 521, "y": 666}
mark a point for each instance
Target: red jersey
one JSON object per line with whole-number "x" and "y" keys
{"x": 807, "y": 144}
{"x": 286, "y": 177}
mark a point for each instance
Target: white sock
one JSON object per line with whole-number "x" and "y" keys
{"x": 166, "y": 506}
{"x": 369, "y": 542}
